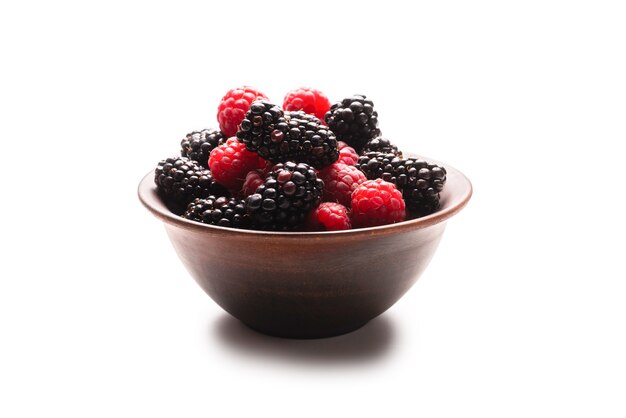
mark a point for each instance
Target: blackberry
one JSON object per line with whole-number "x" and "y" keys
{"x": 220, "y": 211}
{"x": 280, "y": 136}
{"x": 180, "y": 180}
{"x": 354, "y": 121}
{"x": 316, "y": 144}
{"x": 381, "y": 144}
{"x": 299, "y": 114}
{"x": 285, "y": 198}
{"x": 197, "y": 145}
{"x": 257, "y": 128}
{"x": 419, "y": 181}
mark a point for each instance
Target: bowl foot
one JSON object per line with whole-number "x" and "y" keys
{"x": 306, "y": 333}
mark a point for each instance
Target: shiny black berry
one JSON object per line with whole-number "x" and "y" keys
{"x": 280, "y": 136}
{"x": 285, "y": 198}
{"x": 381, "y": 144}
{"x": 197, "y": 145}
{"x": 419, "y": 181}
{"x": 180, "y": 180}
{"x": 220, "y": 211}
{"x": 354, "y": 121}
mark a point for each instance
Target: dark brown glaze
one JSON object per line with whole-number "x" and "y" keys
{"x": 308, "y": 284}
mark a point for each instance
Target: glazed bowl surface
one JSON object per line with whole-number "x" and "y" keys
{"x": 308, "y": 284}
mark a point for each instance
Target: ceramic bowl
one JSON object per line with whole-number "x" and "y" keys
{"x": 308, "y": 284}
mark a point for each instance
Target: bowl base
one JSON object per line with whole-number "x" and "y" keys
{"x": 306, "y": 334}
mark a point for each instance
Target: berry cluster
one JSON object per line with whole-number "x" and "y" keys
{"x": 305, "y": 166}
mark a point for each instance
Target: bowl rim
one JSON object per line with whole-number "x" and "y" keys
{"x": 147, "y": 193}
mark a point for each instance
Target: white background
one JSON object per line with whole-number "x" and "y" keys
{"x": 522, "y": 311}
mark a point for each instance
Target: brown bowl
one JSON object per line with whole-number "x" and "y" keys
{"x": 308, "y": 284}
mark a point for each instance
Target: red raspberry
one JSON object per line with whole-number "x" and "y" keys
{"x": 309, "y": 100}
{"x": 230, "y": 162}
{"x": 329, "y": 216}
{"x": 254, "y": 179}
{"x": 340, "y": 180}
{"x": 377, "y": 202}
{"x": 233, "y": 107}
{"x": 347, "y": 154}
{"x": 267, "y": 168}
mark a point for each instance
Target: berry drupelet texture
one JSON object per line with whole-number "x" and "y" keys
{"x": 354, "y": 121}
{"x": 233, "y": 107}
{"x": 280, "y": 136}
{"x": 259, "y": 129}
{"x": 230, "y": 163}
{"x": 381, "y": 144}
{"x": 329, "y": 216}
{"x": 180, "y": 180}
{"x": 377, "y": 202}
{"x": 419, "y": 181}
{"x": 307, "y": 99}
{"x": 347, "y": 154}
{"x": 340, "y": 180}
{"x": 310, "y": 141}
{"x": 253, "y": 180}
{"x": 285, "y": 198}
{"x": 197, "y": 145}
{"x": 220, "y": 211}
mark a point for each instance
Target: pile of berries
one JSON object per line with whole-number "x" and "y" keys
{"x": 305, "y": 166}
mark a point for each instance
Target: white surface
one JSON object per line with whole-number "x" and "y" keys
{"x": 521, "y": 312}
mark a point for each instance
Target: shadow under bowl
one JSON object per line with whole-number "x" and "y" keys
{"x": 308, "y": 284}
